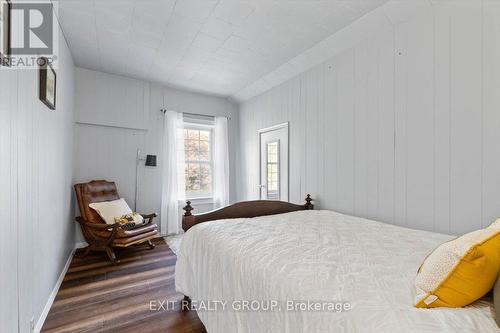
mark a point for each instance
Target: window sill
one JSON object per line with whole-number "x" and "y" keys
{"x": 201, "y": 201}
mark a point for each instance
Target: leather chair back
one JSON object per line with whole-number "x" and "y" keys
{"x": 94, "y": 191}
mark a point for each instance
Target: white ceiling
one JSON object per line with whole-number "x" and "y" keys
{"x": 215, "y": 46}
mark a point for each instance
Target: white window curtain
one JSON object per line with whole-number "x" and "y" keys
{"x": 173, "y": 189}
{"x": 221, "y": 163}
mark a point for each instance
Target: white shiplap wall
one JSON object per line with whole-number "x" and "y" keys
{"x": 8, "y": 199}
{"x": 402, "y": 127}
{"x": 36, "y": 168}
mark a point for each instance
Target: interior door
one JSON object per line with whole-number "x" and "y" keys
{"x": 274, "y": 163}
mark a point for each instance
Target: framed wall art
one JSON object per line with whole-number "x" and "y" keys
{"x": 48, "y": 83}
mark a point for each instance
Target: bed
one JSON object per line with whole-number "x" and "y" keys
{"x": 289, "y": 260}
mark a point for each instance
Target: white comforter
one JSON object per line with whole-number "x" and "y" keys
{"x": 315, "y": 256}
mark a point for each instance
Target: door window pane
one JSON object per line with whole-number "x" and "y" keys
{"x": 273, "y": 183}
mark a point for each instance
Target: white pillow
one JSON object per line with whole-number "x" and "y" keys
{"x": 108, "y": 210}
{"x": 495, "y": 225}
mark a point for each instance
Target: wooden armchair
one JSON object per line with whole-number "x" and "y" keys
{"x": 104, "y": 237}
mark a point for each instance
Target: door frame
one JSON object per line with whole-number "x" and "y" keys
{"x": 285, "y": 125}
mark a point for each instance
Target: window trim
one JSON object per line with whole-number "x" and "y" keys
{"x": 205, "y": 196}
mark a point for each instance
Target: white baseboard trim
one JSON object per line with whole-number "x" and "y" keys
{"x": 48, "y": 305}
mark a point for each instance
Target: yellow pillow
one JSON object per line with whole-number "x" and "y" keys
{"x": 134, "y": 218}
{"x": 460, "y": 271}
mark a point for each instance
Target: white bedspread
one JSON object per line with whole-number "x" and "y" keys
{"x": 315, "y": 256}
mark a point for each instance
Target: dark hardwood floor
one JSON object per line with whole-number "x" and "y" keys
{"x": 96, "y": 296}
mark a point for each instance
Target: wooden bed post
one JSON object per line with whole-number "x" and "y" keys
{"x": 309, "y": 205}
{"x": 188, "y": 208}
{"x": 187, "y": 218}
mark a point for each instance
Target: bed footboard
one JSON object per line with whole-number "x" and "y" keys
{"x": 244, "y": 209}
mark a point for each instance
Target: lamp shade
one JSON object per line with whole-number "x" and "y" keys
{"x": 151, "y": 160}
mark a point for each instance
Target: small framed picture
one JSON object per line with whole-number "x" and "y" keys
{"x": 5, "y": 8}
{"x": 48, "y": 83}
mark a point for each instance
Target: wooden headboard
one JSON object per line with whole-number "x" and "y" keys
{"x": 244, "y": 209}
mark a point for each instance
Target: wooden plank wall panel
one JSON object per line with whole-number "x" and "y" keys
{"x": 311, "y": 95}
{"x": 302, "y": 131}
{"x": 466, "y": 117}
{"x": 400, "y": 123}
{"x": 247, "y": 154}
{"x": 364, "y": 62}
{"x": 27, "y": 177}
{"x": 8, "y": 212}
{"x": 129, "y": 109}
{"x": 320, "y": 170}
{"x": 491, "y": 111}
{"x": 386, "y": 123}
{"x": 374, "y": 128}
{"x": 372, "y": 121}
{"x": 345, "y": 132}
{"x": 330, "y": 149}
{"x": 295, "y": 139}
{"x": 442, "y": 111}
{"x": 401, "y": 128}
{"x": 419, "y": 126}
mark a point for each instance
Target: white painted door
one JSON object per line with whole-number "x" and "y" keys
{"x": 274, "y": 163}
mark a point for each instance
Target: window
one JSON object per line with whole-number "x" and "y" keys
{"x": 198, "y": 160}
{"x": 273, "y": 177}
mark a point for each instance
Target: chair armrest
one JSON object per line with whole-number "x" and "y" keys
{"x": 149, "y": 217}
{"x": 97, "y": 226}
{"x": 114, "y": 228}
